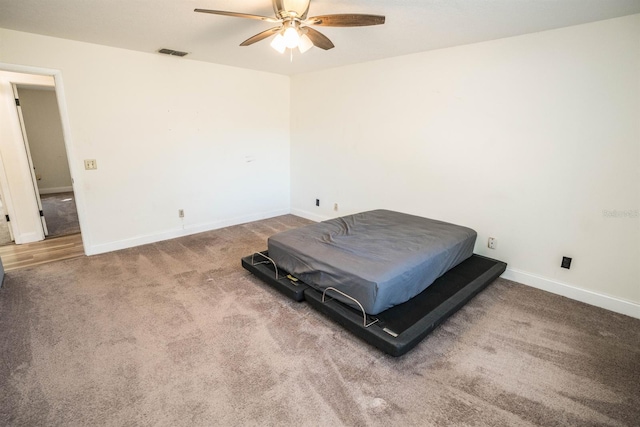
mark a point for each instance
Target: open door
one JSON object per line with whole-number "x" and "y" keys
{"x": 6, "y": 233}
{"x": 31, "y": 167}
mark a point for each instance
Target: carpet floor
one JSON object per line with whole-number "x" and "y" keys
{"x": 60, "y": 213}
{"x": 177, "y": 333}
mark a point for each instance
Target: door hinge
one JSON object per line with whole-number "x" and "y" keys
{"x": 7, "y": 217}
{"x": 41, "y": 213}
{"x": 17, "y": 102}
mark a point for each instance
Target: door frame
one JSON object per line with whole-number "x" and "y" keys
{"x": 74, "y": 166}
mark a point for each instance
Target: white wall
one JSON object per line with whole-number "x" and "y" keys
{"x": 15, "y": 179}
{"x": 534, "y": 140}
{"x": 167, "y": 134}
{"x": 46, "y": 141}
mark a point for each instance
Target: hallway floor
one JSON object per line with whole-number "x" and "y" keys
{"x": 60, "y": 213}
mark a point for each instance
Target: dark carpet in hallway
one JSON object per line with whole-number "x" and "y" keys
{"x": 60, "y": 213}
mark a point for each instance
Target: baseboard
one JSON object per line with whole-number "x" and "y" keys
{"x": 607, "y": 302}
{"x": 28, "y": 237}
{"x": 308, "y": 215}
{"x": 54, "y": 190}
{"x": 175, "y": 233}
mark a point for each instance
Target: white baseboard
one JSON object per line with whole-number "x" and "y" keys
{"x": 607, "y": 302}
{"x": 309, "y": 215}
{"x": 54, "y": 190}
{"x": 28, "y": 237}
{"x": 187, "y": 231}
{"x": 588, "y": 297}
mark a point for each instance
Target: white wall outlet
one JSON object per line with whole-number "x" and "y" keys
{"x": 335, "y": 206}
{"x": 180, "y": 213}
{"x": 90, "y": 164}
{"x": 493, "y": 243}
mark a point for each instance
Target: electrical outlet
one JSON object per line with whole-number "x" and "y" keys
{"x": 317, "y": 202}
{"x": 493, "y": 243}
{"x": 180, "y": 213}
{"x": 90, "y": 164}
{"x": 566, "y": 262}
{"x": 335, "y": 206}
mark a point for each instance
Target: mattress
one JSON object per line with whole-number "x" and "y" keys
{"x": 381, "y": 258}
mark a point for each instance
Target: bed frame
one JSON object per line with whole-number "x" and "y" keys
{"x": 398, "y": 329}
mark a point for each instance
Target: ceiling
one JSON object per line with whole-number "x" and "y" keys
{"x": 411, "y": 26}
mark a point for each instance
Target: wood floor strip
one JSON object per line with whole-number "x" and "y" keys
{"x": 49, "y": 250}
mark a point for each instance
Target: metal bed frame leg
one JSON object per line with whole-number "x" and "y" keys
{"x": 364, "y": 315}
{"x": 265, "y": 262}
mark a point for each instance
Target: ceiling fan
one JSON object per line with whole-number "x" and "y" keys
{"x": 294, "y": 27}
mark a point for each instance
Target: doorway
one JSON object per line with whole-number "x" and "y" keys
{"x": 44, "y": 142}
{"x": 36, "y": 188}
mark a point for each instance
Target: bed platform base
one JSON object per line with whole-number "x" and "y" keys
{"x": 365, "y": 321}
{"x": 279, "y": 279}
{"x": 398, "y": 329}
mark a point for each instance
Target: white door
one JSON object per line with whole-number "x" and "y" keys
{"x": 4, "y": 211}
{"x": 31, "y": 167}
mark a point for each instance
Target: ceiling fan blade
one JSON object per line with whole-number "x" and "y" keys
{"x": 237, "y": 15}
{"x": 319, "y": 39}
{"x": 346, "y": 20}
{"x": 261, "y": 36}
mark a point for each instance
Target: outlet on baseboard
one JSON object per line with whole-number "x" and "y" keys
{"x": 492, "y": 243}
{"x": 317, "y": 202}
{"x": 180, "y": 213}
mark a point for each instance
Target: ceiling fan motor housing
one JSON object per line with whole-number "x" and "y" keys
{"x": 282, "y": 8}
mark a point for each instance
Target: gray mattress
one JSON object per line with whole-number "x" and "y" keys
{"x": 382, "y": 258}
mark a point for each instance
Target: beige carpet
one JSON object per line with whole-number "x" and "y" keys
{"x": 177, "y": 333}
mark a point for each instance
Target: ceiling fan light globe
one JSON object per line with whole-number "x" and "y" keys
{"x": 291, "y": 37}
{"x": 278, "y": 43}
{"x": 305, "y": 43}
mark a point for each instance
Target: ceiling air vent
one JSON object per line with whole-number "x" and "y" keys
{"x": 173, "y": 52}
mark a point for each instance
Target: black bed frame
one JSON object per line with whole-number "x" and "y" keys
{"x": 397, "y": 329}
